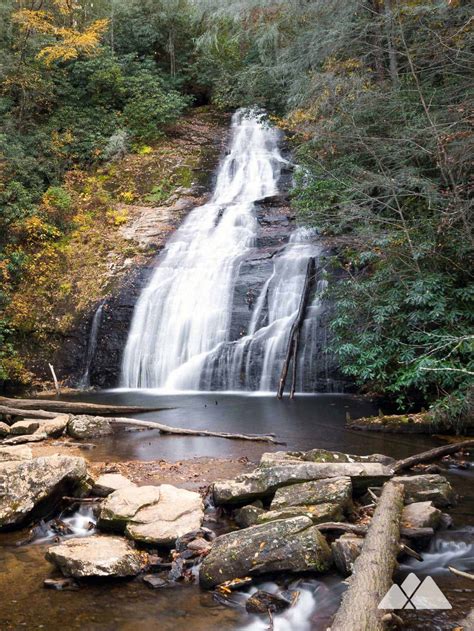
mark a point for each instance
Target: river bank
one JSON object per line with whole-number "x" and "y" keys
{"x": 194, "y": 463}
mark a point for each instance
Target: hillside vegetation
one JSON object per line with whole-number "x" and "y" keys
{"x": 375, "y": 97}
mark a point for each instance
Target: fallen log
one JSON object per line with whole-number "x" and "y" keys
{"x": 25, "y": 438}
{"x": 74, "y": 407}
{"x": 432, "y": 454}
{"x": 292, "y": 348}
{"x": 461, "y": 573}
{"x": 373, "y": 569}
{"x": 181, "y": 431}
{"x": 22, "y": 413}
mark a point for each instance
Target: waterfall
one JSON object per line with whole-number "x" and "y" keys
{"x": 91, "y": 347}
{"x": 180, "y": 336}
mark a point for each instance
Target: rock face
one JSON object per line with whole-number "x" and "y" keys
{"x": 107, "y": 483}
{"x": 319, "y": 455}
{"x": 27, "y": 426}
{"x": 333, "y": 490}
{"x": 31, "y": 488}
{"x": 421, "y": 515}
{"x": 84, "y": 426}
{"x": 429, "y": 487}
{"x": 291, "y": 545}
{"x": 264, "y": 481}
{"x": 97, "y": 556}
{"x": 153, "y": 514}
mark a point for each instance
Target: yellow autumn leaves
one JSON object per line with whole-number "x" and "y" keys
{"x": 67, "y": 42}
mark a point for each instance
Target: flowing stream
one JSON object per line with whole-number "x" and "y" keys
{"x": 181, "y": 336}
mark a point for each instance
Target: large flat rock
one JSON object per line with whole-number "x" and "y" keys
{"x": 421, "y": 515}
{"x": 427, "y": 487}
{"x": 333, "y": 490}
{"x": 107, "y": 483}
{"x": 31, "y": 488}
{"x": 318, "y": 513}
{"x": 98, "y": 555}
{"x": 289, "y": 545}
{"x": 319, "y": 455}
{"x": 152, "y": 514}
{"x": 265, "y": 480}
{"x": 12, "y": 454}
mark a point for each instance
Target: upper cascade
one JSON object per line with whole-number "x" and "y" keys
{"x": 180, "y": 336}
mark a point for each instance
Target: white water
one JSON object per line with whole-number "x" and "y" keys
{"x": 80, "y": 524}
{"x": 180, "y": 333}
{"x": 91, "y": 347}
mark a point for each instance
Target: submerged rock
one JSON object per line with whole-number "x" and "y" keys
{"x": 153, "y": 514}
{"x": 98, "y": 555}
{"x": 84, "y": 426}
{"x": 107, "y": 483}
{"x": 430, "y": 487}
{"x": 330, "y": 490}
{"x": 31, "y": 488}
{"x": 318, "y": 513}
{"x": 27, "y": 426}
{"x": 265, "y": 480}
{"x": 421, "y": 515}
{"x": 262, "y": 602}
{"x": 290, "y": 545}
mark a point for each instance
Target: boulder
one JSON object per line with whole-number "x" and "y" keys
{"x": 248, "y": 515}
{"x": 287, "y": 545}
{"x": 428, "y": 487}
{"x": 345, "y": 551}
{"x": 98, "y": 555}
{"x": 319, "y": 455}
{"x": 84, "y": 426}
{"x": 152, "y": 514}
{"x": 11, "y": 454}
{"x": 333, "y": 490}
{"x": 54, "y": 427}
{"x": 318, "y": 513}
{"x": 107, "y": 483}
{"x": 265, "y": 480}
{"x": 262, "y": 602}
{"x": 4, "y": 430}
{"x": 27, "y": 426}
{"x": 119, "y": 507}
{"x": 177, "y": 512}
{"x": 421, "y": 515}
{"x": 32, "y": 488}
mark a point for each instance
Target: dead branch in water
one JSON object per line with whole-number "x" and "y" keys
{"x": 292, "y": 348}
{"x": 432, "y": 454}
{"x": 461, "y": 573}
{"x": 166, "y": 429}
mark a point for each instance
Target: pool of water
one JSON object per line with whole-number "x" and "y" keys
{"x": 307, "y": 422}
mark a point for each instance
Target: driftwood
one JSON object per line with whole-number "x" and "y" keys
{"x": 461, "y": 573}
{"x": 55, "y": 379}
{"x": 38, "y": 414}
{"x": 432, "y": 454}
{"x": 73, "y": 407}
{"x": 292, "y": 348}
{"x": 36, "y": 437}
{"x": 373, "y": 569}
{"x": 166, "y": 429}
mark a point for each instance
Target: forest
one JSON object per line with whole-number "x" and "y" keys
{"x": 374, "y": 97}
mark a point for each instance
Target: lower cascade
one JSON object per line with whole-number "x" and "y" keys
{"x": 183, "y": 334}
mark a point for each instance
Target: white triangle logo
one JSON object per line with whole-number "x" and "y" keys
{"x": 414, "y": 594}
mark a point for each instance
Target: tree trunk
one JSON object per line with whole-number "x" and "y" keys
{"x": 392, "y": 53}
{"x": 432, "y": 454}
{"x": 73, "y": 407}
{"x": 296, "y": 326}
{"x": 373, "y": 569}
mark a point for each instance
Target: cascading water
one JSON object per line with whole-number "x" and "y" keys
{"x": 92, "y": 346}
{"x": 180, "y": 337}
